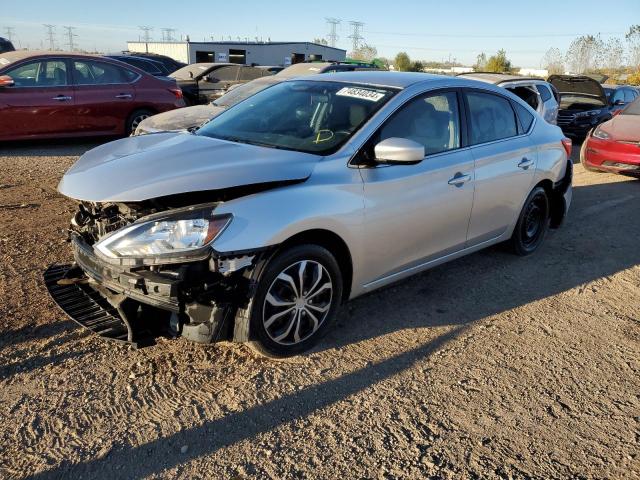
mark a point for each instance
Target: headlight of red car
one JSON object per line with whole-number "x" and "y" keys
{"x": 601, "y": 134}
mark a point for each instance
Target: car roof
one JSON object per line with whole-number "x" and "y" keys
{"x": 22, "y": 54}
{"x": 498, "y": 78}
{"x": 383, "y": 78}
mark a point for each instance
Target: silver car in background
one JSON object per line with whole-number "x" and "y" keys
{"x": 540, "y": 95}
{"x": 309, "y": 193}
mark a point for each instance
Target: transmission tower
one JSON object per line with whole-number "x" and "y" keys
{"x": 70, "y": 43}
{"x": 146, "y": 33}
{"x": 167, "y": 34}
{"x": 9, "y": 32}
{"x": 332, "y": 36}
{"x": 355, "y": 37}
{"x": 50, "y": 34}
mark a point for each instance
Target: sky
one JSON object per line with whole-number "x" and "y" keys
{"x": 426, "y": 30}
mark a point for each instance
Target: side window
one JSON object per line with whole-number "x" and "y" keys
{"x": 545, "y": 94}
{"x": 525, "y": 116}
{"x": 491, "y": 118}
{"x": 98, "y": 73}
{"x": 618, "y": 94}
{"x": 250, "y": 73}
{"x": 225, "y": 74}
{"x": 629, "y": 96}
{"x": 431, "y": 120}
{"x": 148, "y": 67}
{"x": 50, "y": 73}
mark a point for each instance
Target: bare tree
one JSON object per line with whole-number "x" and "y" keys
{"x": 585, "y": 53}
{"x": 365, "y": 53}
{"x": 553, "y": 61}
{"x": 633, "y": 43}
{"x": 613, "y": 55}
{"x": 481, "y": 62}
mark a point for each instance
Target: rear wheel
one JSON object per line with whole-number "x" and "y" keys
{"x": 134, "y": 120}
{"x": 533, "y": 223}
{"x": 296, "y": 301}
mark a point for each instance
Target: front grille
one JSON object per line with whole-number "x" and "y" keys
{"x": 565, "y": 118}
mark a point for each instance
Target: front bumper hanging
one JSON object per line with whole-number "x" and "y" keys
{"x": 69, "y": 289}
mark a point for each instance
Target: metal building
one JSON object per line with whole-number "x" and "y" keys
{"x": 258, "y": 53}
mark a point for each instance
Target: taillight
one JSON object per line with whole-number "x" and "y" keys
{"x": 176, "y": 92}
{"x": 567, "y": 144}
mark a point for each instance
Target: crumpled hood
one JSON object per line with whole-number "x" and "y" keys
{"x": 180, "y": 119}
{"x": 149, "y": 166}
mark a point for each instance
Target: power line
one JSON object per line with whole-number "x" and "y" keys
{"x": 167, "y": 34}
{"x": 482, "y": 35}
{"x": 333, "y": 24}
{"x": 9, "y": 32}
{"x": 146, "y": 33}
{"x": 70, "y": 43}
{"x": 50, "y": 34}
{"x": 355, "y": 37}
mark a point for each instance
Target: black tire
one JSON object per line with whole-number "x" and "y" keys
{"x": 300, "y": 320}
{"x": 533, "y": 223}
{"x": 135, "y": 118}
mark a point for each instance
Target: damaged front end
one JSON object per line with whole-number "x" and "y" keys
{"x": 147, "y": 269}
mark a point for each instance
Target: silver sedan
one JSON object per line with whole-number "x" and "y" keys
{"x": 310, "y": 193}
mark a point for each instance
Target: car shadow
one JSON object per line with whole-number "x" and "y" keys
{"x": 459, "y": 294}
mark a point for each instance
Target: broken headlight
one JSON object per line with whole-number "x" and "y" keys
{"x": 165, "y": 235}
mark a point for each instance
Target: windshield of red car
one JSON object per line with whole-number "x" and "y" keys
{"x": 633, "y": 108}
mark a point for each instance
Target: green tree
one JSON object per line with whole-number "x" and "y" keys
{"x": 417, "y": 66}
{"x": 402, "y": 62}
{"x": 499, "y": 62}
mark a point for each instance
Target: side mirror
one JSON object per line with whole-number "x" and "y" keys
{"x": 6, "y": 81}
{"x": 396, "y": 150}
{"x": 619, "y": 102}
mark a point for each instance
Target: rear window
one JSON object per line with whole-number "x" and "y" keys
{"x": 525, "y": 117}
{"x": 492, "y": 117}
{"x": 545, "y": 94}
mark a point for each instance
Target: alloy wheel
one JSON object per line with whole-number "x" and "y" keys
{"x": 297, "y": 302}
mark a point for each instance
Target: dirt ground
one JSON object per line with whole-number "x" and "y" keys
{"x": 492, "y": 366}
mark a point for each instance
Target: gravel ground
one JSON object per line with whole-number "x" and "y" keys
{"x": 492, "y": 366}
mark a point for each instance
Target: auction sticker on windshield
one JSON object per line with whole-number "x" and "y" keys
{"x": 361, "y": 93}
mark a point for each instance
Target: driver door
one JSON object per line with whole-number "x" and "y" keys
{"x": 415, "y": 214}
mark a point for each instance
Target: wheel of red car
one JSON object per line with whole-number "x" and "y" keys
{"x": 135, "y": 118}
{"x": 533, "y": 223}
{"x": 296, "y": 301}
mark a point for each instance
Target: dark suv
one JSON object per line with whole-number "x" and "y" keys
{"x": 6, "y": 45}
{"x": 586, "y": 103}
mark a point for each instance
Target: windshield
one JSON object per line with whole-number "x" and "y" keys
{"x": 306, "y": 116}
{"x": 241, "y": 92}
{"x": 191, "y": 71}
{"x": 632, "y": 109}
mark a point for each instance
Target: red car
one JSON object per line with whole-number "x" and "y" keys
{"x": 56, "y": 94}
{"x": 614, "y": 146}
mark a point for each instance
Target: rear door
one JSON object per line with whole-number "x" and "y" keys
{"x": 104, "y": 95}
{"x": 215, "y": 83}
{"x": 41, "y": 102}
{"x": 505, "y": 163}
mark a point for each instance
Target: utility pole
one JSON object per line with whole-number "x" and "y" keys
{"x": 355, "y": 37}
{"x": 167, "y": 34}
{"x": 332, "y": 36}
{"x": 9, "y": 32}
{"x": 70, "y": 43}
{"x": 146, "y": 33}
{"x": 50, "y": 29}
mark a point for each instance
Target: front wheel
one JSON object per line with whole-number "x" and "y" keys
{"x": 532, "y": 224}
{"x": 296, "y": 301}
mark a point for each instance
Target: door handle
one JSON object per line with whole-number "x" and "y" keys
{"x": 61, "y": 98}
{"x": 525, "y": 163}
{"x": 124, "y": 95}
{"x": 459, "y": 179}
